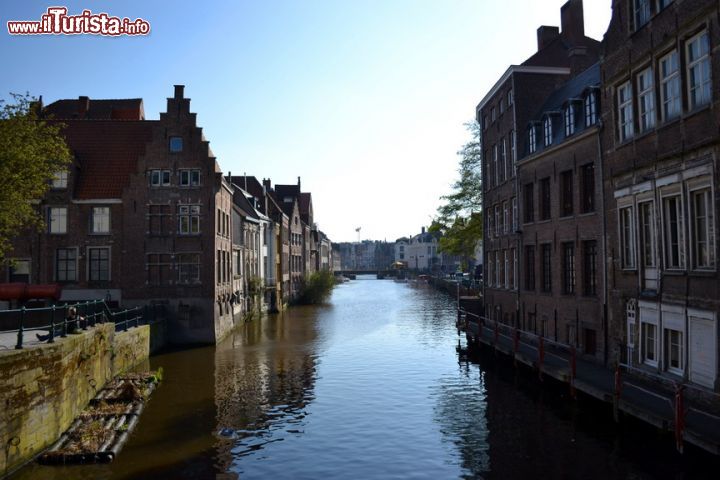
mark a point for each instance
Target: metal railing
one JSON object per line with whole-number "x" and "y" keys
{"x": 53, "y": 321}
{"x": 673, "y": 397}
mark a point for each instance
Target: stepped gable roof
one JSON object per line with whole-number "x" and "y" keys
{"x": 107, "y": 153}
{"x": 83, "y": 108}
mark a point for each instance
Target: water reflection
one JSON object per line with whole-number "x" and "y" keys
{"x": 264, "y": 378}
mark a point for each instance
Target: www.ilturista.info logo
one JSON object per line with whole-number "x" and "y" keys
{"x": 57, "y": 22}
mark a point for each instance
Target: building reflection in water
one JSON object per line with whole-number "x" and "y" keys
{"x": 264, "y": 378}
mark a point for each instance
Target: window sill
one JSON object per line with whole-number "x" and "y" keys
{"x": 704, "y": 273}
{"x": 587, "y": 214}
{"x": 99, "y": 234}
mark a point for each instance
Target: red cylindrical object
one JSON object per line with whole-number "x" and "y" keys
{"x": 23, "y": 291}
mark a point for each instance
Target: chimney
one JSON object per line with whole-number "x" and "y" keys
{"x": 267, "y": 184}
{"x": 423, "y": 230}
{"x": 545, "y": 35}
{"x": 179, "y": 91}
{"x": 83, "y": 105}
{"x": 573, "y": 21}
{"x": 299, "y": 184}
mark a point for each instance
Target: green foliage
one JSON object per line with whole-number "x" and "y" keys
{"x": 254, "y": 286}
{"x": 31, "y": 152}
{"x": 459, "y": 218}
{"x": 316, "y": 288}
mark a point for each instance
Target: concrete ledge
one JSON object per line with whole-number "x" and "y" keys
{"x": 43, "y": 388}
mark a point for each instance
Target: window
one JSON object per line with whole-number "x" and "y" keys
{"x": 547, "y": 131}
{"x": 60, "y": 179}
{"x": 492, "y": 114}
{"x": 568, "y": 268}
{"x": 498, "y": 270}
{"x": 674, "y": 351}
{"x": 503, "y": 160}
{"x": 189, "y": 178}
{"x": 698, "y": 68}
{"x": 188, "y": 267}
{"x": 649, "y": 343}
{"x": 703, "y": 228}
{"x": 630, "y": 331}
{"x": 497, "y": 220}
{"x": 627, "y": 238}
{"x": 529, "y": 203}
{"x": 590, "y": 267}
{"x": 569, "y": 120}
{"x": 100, "y": 220}
{"x": 545, "y": 198}
{"x": 587, "y": 192}
{"x": 485, "y": 122}
{"x": 530, "y": 267}
{"x": 514, "y": 268}
{"x": 66, "y": 264}
{"x": 506, "y": 217}
{"x": 673, "y": 230}
{"x": 513, "y": 157}
{"x": 646, "y": 99}
{"x": 509, "y": 97}
{"x": 489, "y": 263}
{"x": 514, "y": 214}
{"x": 176, "y": 144}
{"x": 98, "y": 264}
{"x": 158, "y": 219}
{"x": 625, "y": 113}
{"x": 189, "y": 219}
{"x": 566, "y": 193}
{"x": 19, "y": 271}
{"x": 670, "y": 85}
{"x": 159, "y": 268}
{"x": 502, "y": 105}
{"x": 590, "y": 108}
{"x": 532, "y": 139}
{"x": 159, "y": 178}
{"x": 58, "y": 219}
{"x": 641, "y": 12}
{"x": 647, "y": 233}
{"x": 546, "y": 272}
{"x": 506, "y": 269}
{"x": 496, "y": 166}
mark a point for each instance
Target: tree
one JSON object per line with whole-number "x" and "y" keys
{"x": 32, "y": 151}
{"x": 459, "y": 218}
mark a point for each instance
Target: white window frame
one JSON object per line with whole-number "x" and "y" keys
{"x": 591, "y": 108}
{"x": 496, "y": 165}
{"x": 631, "y": 324}
{"x": 699, "y": 67}
{"x": 627, "y": 235}
{"x": 665, "y": 195}
{"x": 547, "y": 131}
{"x": 646, "y": 99}
{"x": 507, "y": 269}
{"x": 179, "y": 267}
{"x": 515, "y": 269}
{"x": 513, "y": 155}
{"x": 57, "y": 220}
{"x": 670, "y": 86}
{"x": 509, "y": 98}
{"x": 641, "y": 13}
{"x": 644, "y": 230}
{"x": 88, "y": 268}
{"x": 503, "y": 159}
{"x": 514, "y": 214}
{"x": 186, "y": 177}
{"x": 673, "y": 319}
{"x": 99, "y": 223}
{"x": 649, "y": 315}
{"x": 569, "y": 120}
{"x": 497, "y": 269}
{"x": 532, "y": 139}
{"x": 160, "y": 177}
{"x": 626, "y": 127}
{"x": 60, "y": 180}
{"x": 189, "y": 220}
{"x": 702, "y": 186}
{"x": 497, "y": 220}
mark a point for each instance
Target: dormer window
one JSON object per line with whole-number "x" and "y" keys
{"x": 641, "y": 12}
{"x": 60, "y": 179}
{"x": 547, "y": 131}
{"x": 591, "y": 108}
{"x": 532, "y": 139}
{"x": 569, "y": 119}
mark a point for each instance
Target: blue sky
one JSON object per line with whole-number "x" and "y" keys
{"x": 365, "y": 100}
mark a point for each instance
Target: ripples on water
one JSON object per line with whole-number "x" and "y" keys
{"x": 368, "y": 386}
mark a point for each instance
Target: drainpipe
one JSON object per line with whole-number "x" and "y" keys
{"x": 601, "y": 127}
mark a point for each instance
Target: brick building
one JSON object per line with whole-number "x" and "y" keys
{"x": 660, "y": 112}
{"x": 141, "y": 216}
{"x": 504, "y": 115}
{"x": 562, "y": 279}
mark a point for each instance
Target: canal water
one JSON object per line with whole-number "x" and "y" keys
{"x": 370, "y": 386}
